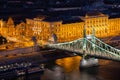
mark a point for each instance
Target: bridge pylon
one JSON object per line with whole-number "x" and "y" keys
{"x": 86, "y": 60}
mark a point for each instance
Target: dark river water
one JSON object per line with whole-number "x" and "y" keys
{"x": 68, "y": 69}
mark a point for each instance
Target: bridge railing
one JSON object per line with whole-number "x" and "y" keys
{"x": 102, "y": 52}
{"x": 70, "y": 46}
{"x": 106, "y": 46}
{"x": 95, "y": 48}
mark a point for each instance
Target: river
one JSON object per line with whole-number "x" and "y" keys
{"x": 68, "y": 69}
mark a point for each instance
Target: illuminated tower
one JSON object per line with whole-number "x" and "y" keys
{"x": 10, "y": 27}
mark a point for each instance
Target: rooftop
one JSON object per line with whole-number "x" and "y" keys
{"x": 64, "y": 19}
{"x": 52, "y": 19}
{"x": 72, "y": 19}
{"x": 94, "y": 13}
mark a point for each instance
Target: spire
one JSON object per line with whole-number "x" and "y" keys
{"x": 10, "y": 21}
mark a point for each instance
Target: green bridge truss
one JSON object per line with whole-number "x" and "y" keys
{"x": 89, "y": 45}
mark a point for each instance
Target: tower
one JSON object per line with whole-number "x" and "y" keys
{"x": 10, "y": 27}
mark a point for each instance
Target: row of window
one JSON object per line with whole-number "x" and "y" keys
{"x": 97, "y": 21}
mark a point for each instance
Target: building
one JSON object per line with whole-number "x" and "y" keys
{"x": 114, "y": 27}
{"x": 1, "y": 23}
{"x": 103, "y": 25}
{"x": 10, "y": 27}
{"x": 64, "y": 30}
{"x": 99, "y": 22}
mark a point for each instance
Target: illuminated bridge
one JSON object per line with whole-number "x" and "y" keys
{"x": 89, "y": 45}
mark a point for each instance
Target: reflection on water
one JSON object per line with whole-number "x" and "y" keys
{"x": 68, "y": 69}
{"x": 72, "y": 71}
{"x": 69, "y": 64}
{"x": 57, "y": 73}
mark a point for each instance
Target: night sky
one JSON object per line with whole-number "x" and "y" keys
{"x": 31, "y": 8}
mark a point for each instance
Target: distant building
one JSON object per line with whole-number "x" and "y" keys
{"x": 62, "y": 29}
{"x": 41, "y": 28}
{"x": 10, "y": 27}
{"x": 103, "y": 25}
{"x": 98, "y": 21}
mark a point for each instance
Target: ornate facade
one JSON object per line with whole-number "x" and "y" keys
{"x": 104, "y": 27}
{"x": 114, "y": 26}
{"x": 43, "y": 30}
{"x": 10, "y": 27}
{"x": 99, "y": 22}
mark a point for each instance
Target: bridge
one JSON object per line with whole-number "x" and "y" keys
{"x": 89, "y": 45}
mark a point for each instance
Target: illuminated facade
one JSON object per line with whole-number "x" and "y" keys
{"x": 104, "y": 27}
{"x": 68, "y": 32}
{"x": 3, "y": 28}
{"x": 10, "y": 27}
{"x": 38, "y": 28}
{"x": 114, "y": 26}
{"x": 20, "y": 30}
{"x": 43, "y": 30}
{"x": 99, "y": 22}
{"x": 7, "y": 28}
{"x": 1, "y": 22}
